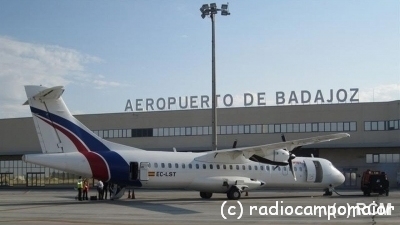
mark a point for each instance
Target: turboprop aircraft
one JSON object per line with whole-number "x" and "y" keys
{"x": 70, "y": 146}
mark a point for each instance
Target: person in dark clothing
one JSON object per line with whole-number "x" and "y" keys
{"x": 105, "y": 190}
{"x": 110, "y": 189}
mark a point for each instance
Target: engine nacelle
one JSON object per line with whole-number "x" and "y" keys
{"x": 221, "y": 184}
{"x": 279, "y": 155}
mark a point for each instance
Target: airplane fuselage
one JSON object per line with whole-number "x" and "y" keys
{"x": 157, "y": 169}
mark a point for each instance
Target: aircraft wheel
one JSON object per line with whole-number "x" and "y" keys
{"x": 206, "y": 195}
{"x": 233, "y": 194}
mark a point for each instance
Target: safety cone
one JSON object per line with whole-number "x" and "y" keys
{"x": 129, "y": 194}
{"x": 133, "y": 194}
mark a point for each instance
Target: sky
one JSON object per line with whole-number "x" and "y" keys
{"x": 106, "y": 52}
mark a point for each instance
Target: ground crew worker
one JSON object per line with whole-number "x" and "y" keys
{"x": 105, "y": 190}
{"x": 85, "y": 189}
{"x": 100, "y": 187}
{"x": 79, "y": 185}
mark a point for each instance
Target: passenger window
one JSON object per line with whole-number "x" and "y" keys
{"x": 300, "y": 168}
{"x": 204, "y": 166}
{"x": 190, "y": 166}
{"x": 279, "y": 168}
{"x": 162, "y": 165}
{"x": 284, "y": 168}
{"x": 249, "y": 167}
{"x": 237, "y": 167}
{"x": 169, "y": 165}
{"x": 261, "y": 167}
{"x": 244, "y": 167}
{"x": 267, "y": 168}
{"x": 176, "y": 165}
{"x": 211, "y": 166}
{"x": 224, "y": 166}
{"x": 183, "y": 166}
{"x": 255, "y": 167}
{"x": 149, "y": 165}
{"x": 156, "y": 165}
{"x": 197, "y": 166}
{"x": 230, "y": 167}
{"x": 217, "y": 166}
{"x": 295, "y": 168}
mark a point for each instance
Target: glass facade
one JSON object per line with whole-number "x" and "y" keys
{"x": 382, "y": 158}
{"x": 17, "y": 172}
{"x": 381, "y": 125}
{"x": 350, "y": 126}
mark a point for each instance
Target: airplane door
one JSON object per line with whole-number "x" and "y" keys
{"x": 133, "y": 170}
{"x": 144, "y": 171}
{"x": 310, "y": 168}
{"x": 318, "y": 170}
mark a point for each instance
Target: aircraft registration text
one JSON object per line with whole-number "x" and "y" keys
{"x": 165, "y": 174}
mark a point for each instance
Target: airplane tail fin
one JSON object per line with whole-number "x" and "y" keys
{"x": 58, "y": 130}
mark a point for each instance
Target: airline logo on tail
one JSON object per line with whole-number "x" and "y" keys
{"x": 48, "y": 107}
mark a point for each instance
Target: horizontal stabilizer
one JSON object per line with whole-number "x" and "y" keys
{"x": 45, "y": 94}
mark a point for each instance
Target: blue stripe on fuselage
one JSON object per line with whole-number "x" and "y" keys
{"x": 119, "y": 168}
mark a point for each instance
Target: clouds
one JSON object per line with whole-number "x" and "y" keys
{"x": 381, "y": 93}
{"x": 23, "y": 63}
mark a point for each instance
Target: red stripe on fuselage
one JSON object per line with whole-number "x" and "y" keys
{"x": 97, "y": 164}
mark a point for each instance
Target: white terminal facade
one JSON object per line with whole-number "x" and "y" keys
{"x": 374, "y": 143}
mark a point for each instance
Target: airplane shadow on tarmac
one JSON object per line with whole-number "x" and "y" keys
{"x": 147, "y": 205}
{"x": 155, "y": 207}
{"x": 151, "y": 205}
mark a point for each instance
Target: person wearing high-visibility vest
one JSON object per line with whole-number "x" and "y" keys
{"x": 79, "y": 185}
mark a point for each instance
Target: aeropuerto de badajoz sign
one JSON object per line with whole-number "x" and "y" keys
{"x": 249, "y": 99}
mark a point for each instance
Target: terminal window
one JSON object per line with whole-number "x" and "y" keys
{"x": 382, "y": 158}
{"x": 247, "y": 129}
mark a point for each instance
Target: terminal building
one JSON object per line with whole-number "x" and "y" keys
{"x": 374, "y": 142}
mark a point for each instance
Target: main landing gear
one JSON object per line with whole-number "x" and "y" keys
{"x": 233, "y": 194}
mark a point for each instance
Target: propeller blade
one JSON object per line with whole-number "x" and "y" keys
{"x": 234, "y": 144}
{"x": 283, "y": 137}
{"x": 291, "y": 157}
{"x": 291, "y": 167}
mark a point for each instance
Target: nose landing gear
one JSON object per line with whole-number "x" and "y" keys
{"x": 329, "y": 190}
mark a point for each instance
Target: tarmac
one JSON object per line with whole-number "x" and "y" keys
{"x": 51, "y": 206}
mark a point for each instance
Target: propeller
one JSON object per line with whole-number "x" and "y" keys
{"x": 291, "y": 157}
{"x": 234, "y": 143}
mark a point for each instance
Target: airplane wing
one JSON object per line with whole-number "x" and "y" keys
{"x": 264, "y": 150}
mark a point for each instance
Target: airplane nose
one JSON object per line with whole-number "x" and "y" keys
{"x": 337, "y": 178}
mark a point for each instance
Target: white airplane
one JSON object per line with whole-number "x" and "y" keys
{"x": 70, "y": 146}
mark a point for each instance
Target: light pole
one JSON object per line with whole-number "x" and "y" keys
{"x": 211, "y": 10}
